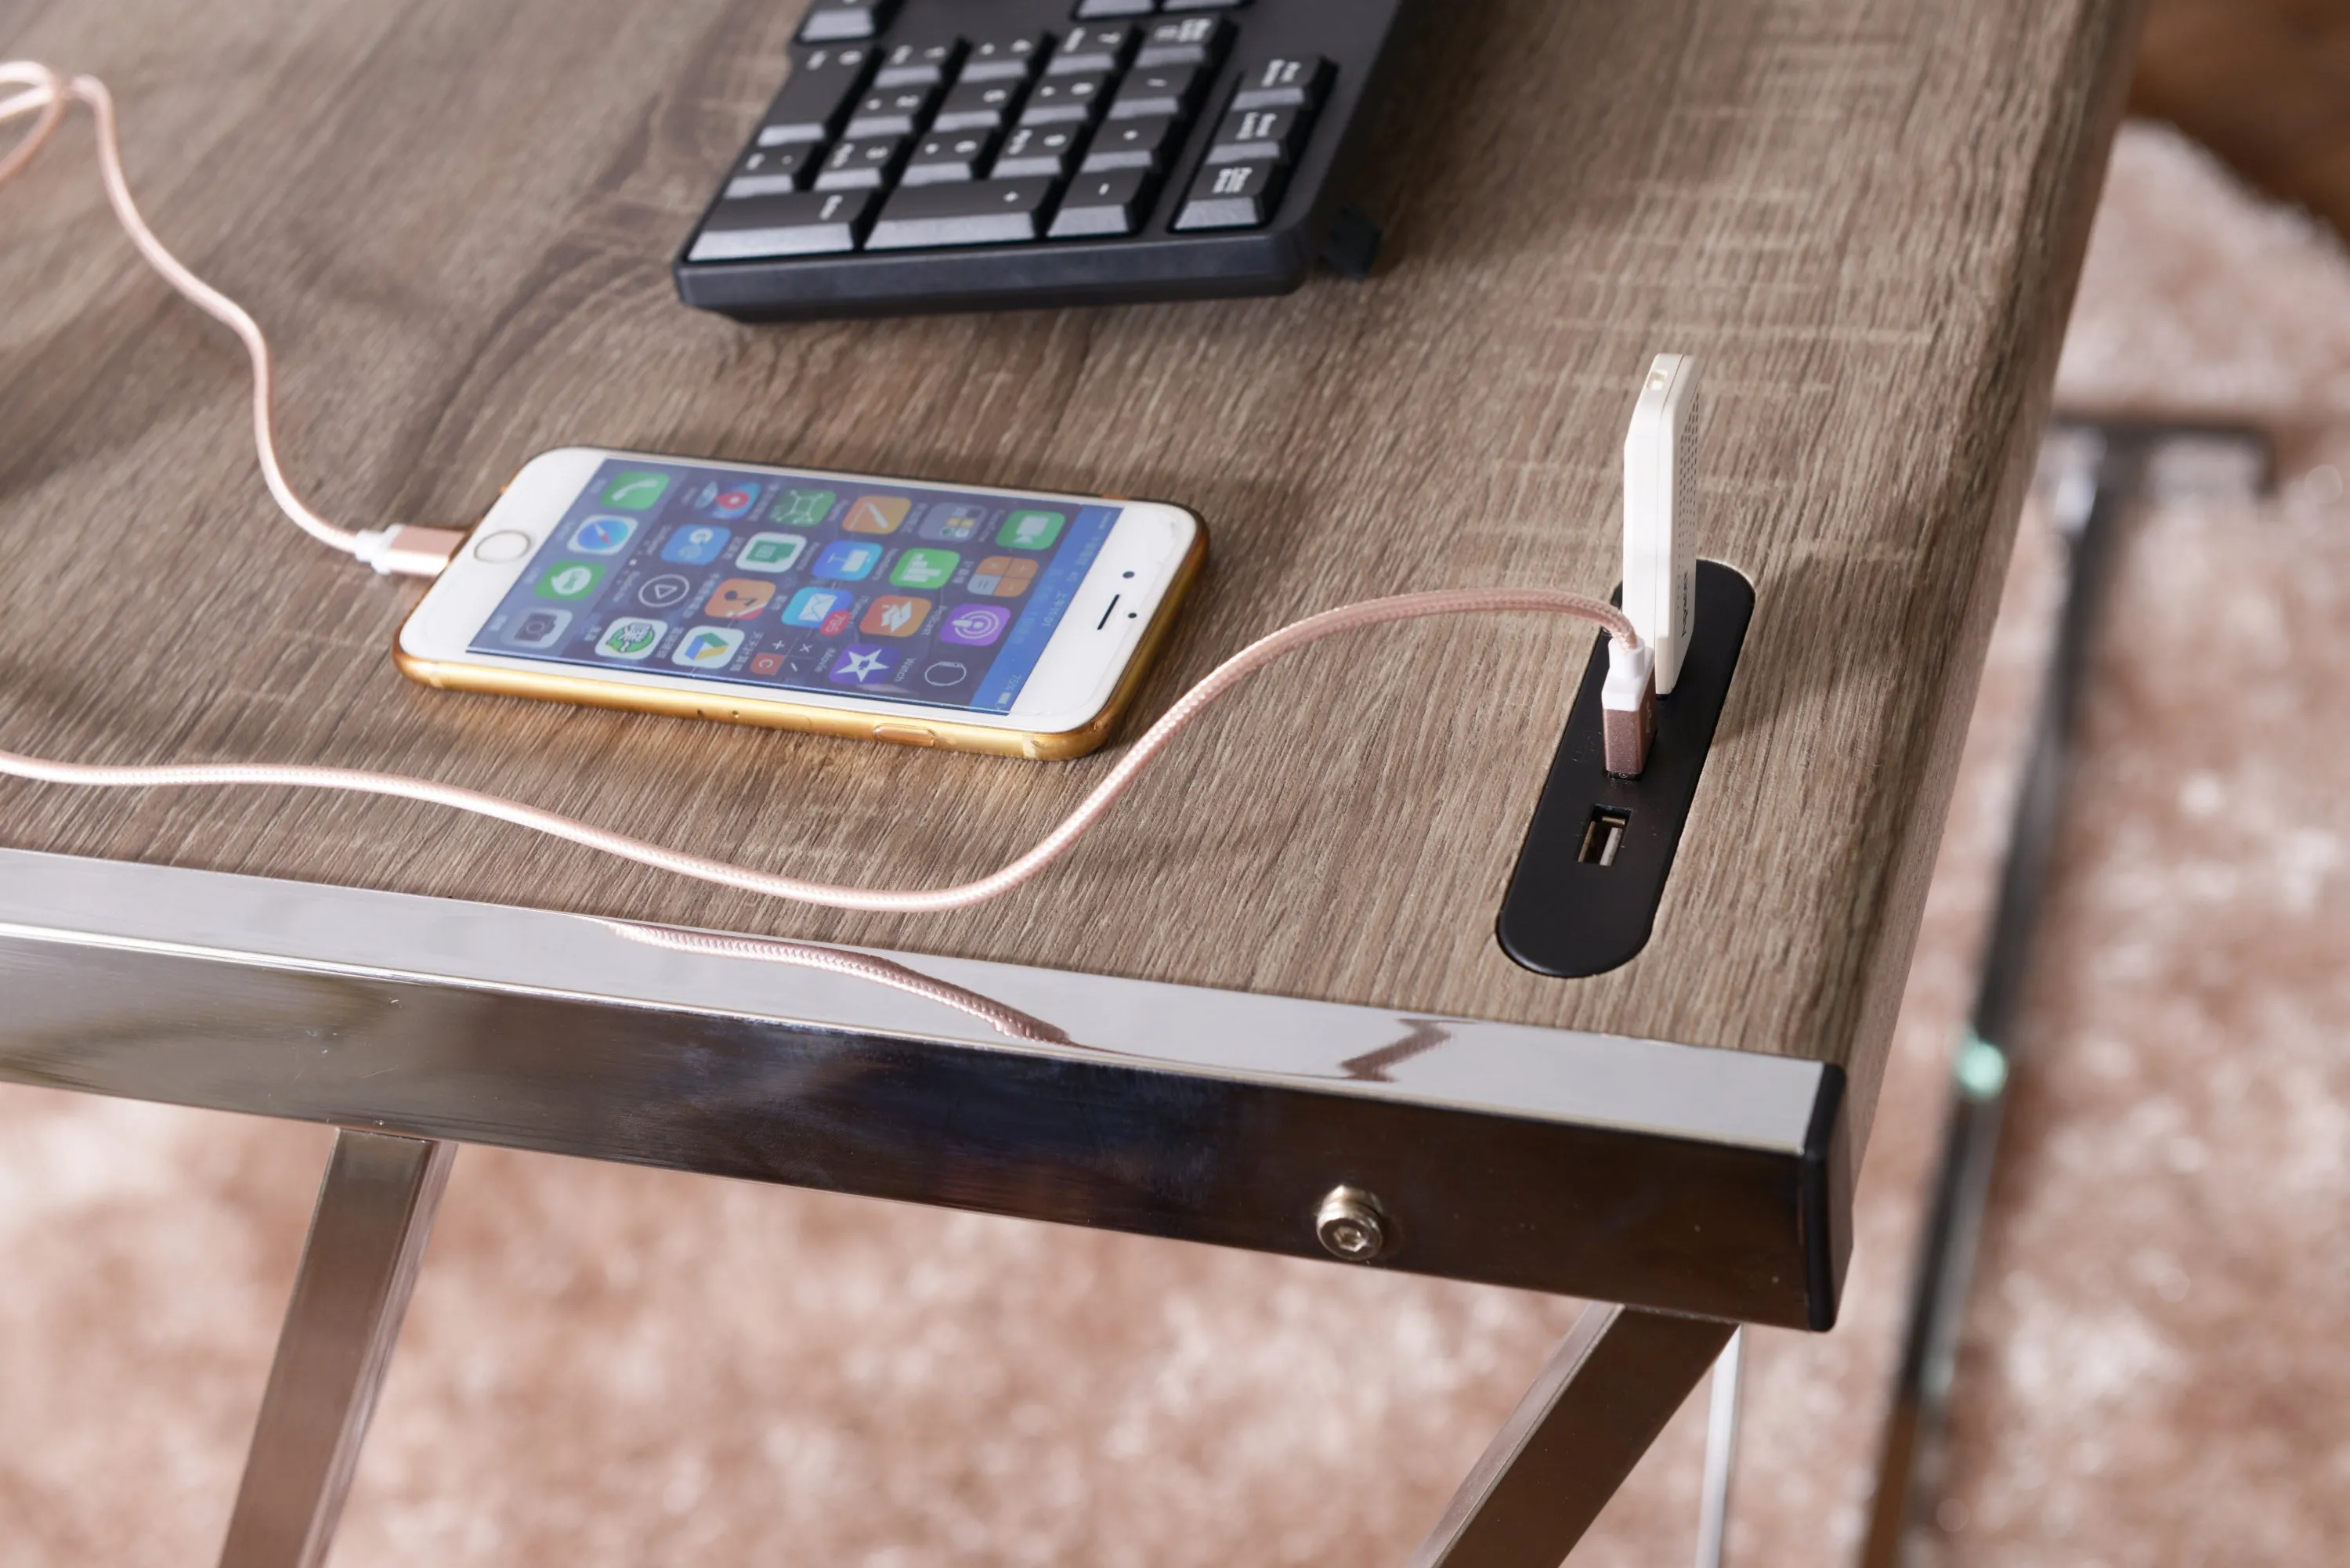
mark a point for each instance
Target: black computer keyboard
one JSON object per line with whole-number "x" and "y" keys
{"x": 970, "y": 154}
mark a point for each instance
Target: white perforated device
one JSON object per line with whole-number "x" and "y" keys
{"x": 1660, "y": 513}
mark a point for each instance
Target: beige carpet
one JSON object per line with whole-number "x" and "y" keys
{"x": 608, "y": 1366}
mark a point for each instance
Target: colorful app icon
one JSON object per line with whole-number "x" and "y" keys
{"x": 1003, "y": 577}
{"x": 833, "y": 624}
{"x": 696, "y": 546}
{"x": 739, "y": 599}
{"x": 631, "y": 638}
{"x": 940, "y": 674}
{"x": 603, "y": 534}
{"x": 953, "y": 522}
{"x": 847, "y": 561}
{"x": 540, "y": 628}
{"x": 707, "y": 648}
{"x": 975, "y": 626}
{"x": 771, "y": 553}
{"x": 664, "y": 591}
{"x": 768, "y": 664}
{"x": 925, "y": 569}
{"x": 875, "y": 514}
{"x": 814, "y": 606}
{"x": 802, "y": 508}
{"x": 1032, "y": 530}
{"x": 637, "y": 492}
{"x": 894, "y": 615}
{"x": 727, "y": 499}
{"x": 862, "y": 664}
{"x": 571, "y": 580}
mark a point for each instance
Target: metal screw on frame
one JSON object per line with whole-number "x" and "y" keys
{"x": 1351, "y": 1226}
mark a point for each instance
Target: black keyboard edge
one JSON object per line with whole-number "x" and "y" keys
{"x": 1274, "y": 260}
{"x": 1159, "y": 264}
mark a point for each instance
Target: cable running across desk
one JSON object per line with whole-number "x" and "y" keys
{"x": 46, "y": 95}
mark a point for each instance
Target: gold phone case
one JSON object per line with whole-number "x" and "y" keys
{"x": 584, "y": 689}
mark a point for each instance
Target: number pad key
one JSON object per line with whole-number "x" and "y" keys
{"x": 1145, "y": 143}
{"x": 1003, "y": 59}
{"x": 976, "y": 106}
{"x": 1232, "y": 196}
{"x": 1193, "y": 41}
{"x": 1285, "y": 81}
{"x": 918, "y": 65}
{"x": 861, "y": 164}
{"x": 891, "y": 111}
{"x": 1250, "y": 135}
{"x": 816, "y": 98}
{"x": 845, "y": 21}
{"x": 1066, "y": 100}
{"x": 983, "y": 213}
{"x": 1046, "y": 151}
{"x": 1164, "y": 89}
{"x": 1104, "y": 206}
{"x": 1093, "y": 10}
{"x": 1091, "y": 50}
{"x": 770, "y": 171}
{"x": 803, "y": 223}
{"x": 945, "y": 157}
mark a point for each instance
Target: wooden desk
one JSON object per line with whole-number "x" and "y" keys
{"x": 456, "y": 222}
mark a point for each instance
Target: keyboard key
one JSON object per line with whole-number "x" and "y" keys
{"x": 770, "y": 171}
{"x": 1165, "y": 89}
{"x": 846, "y": 21}
{"x": 1131, "y": 144}
{"x": 861, "y": 165}
{"x": 891, "y": 111}
{"x": 946, "y": 157}
{"x": 1204, "y": 4}
{"x": 1285, "y": 81}
{"x": 1066, "y": 100}
{"x": 816, "y": 98}
{"x": 1248, "y": 135}
{"x": 1232, "y": 196}
{"x": 1040, "y": 151}
{"x": 918, "y": 65}
{"x": 976, "y": 106}
{"x": 803, "y": 223}
{"x": 1104, "y": 205}
{"x": 1003, "y": 59}
{"x": 1091, "y": 50}
{"x": 1093, "y": 10}
{"x": 1193, "y": 41}
{"x": 982, "y": 213}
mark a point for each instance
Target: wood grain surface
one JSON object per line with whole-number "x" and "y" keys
{"x": 456, "y": 220}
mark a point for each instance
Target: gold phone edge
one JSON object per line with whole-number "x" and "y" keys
{"x": 1048, "y": 746}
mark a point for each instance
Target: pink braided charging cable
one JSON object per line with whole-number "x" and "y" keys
{"x": 47, "y": 94}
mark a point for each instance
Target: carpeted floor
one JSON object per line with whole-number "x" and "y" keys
{"x": 608, "y": 1367}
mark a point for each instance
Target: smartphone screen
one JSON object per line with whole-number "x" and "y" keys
{"x": 813, "y": 584}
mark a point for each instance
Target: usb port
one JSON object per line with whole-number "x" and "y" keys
{"x": 1604, "y": 835}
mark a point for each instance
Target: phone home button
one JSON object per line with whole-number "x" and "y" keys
{"x": 906, "y": 734}
{"x": 501, "y": 547}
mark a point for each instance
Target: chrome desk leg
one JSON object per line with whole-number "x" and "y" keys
{"x": 1600, "y": 1401}
{"x": 366, "y": 1237}
{"x": 1721, "y": 1453}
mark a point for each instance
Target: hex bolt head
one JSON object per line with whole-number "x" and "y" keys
{"x": 1351, "y": 1225}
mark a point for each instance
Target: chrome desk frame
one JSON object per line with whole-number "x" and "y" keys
{"x": 1697, "y": 1189}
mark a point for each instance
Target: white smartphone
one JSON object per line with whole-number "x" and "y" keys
{"x": 1014, "y": 622}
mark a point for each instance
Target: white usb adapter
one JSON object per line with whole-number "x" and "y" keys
{"x": 1660, "y": 513}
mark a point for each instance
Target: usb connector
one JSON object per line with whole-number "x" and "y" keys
{"x": 405, "y": 552}
{"x": 1627, "y": 706}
